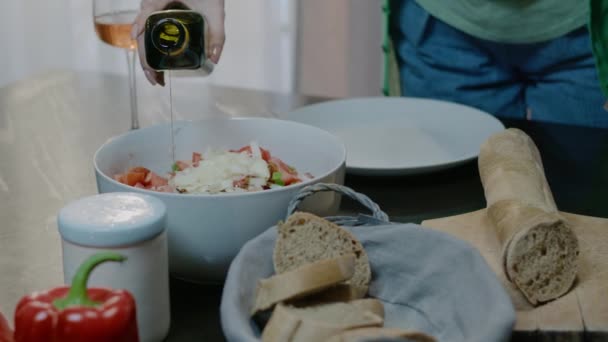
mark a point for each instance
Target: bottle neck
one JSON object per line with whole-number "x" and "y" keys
{"x": 175, "y": 40}
{"x": 170, "y": 36}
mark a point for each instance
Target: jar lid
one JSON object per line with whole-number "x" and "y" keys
{"x": 112, "y": 219}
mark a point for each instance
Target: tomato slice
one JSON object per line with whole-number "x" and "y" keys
{"x": 138, "y": 169}
{"x": 265, "y": 153}
{"x": 182, "y": 165}
{"x": 283, "y": 167}
{"x": 289, "y": 175}
{"x": 133, "y": 178}
{"x": 196, "y": 158}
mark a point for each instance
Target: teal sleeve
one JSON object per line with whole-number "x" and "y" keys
{"x": 598, "y": 28}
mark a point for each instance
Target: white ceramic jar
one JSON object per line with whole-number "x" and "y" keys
{"x": 132, "y": 225}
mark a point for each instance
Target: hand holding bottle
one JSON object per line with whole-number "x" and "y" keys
{"x": 212, "y": 10}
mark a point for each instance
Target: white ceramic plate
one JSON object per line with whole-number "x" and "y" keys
{"x": 399, "y": 135}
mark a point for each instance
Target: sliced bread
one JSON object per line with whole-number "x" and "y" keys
{"x": 306, "y": 238}
{"x": 302, "y": 281}
{"x": 319, "y": 322}
{"x": 374, "y": 334}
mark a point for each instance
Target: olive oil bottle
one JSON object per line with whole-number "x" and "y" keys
{"x": 175, "y": 39}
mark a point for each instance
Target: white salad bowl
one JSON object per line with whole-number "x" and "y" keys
{"x": 206, "y": 231}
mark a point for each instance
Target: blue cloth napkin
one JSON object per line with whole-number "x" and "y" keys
{"x": 427, "y": 280}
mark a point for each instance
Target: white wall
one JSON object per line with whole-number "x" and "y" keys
{"x": 38, "y": 35}
{"x": 260, "y": 45}
{"x": 339, "y": 48}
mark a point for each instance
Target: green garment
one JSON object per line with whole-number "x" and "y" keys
{"x": 392, "y": 84}
{"x": 598, "y": 27}
{"x": 511, "y": 21}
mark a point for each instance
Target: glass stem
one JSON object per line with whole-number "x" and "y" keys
{"x": 133, "y": 88}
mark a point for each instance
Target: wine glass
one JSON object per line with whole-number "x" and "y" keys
{"x": 113, "y": 22}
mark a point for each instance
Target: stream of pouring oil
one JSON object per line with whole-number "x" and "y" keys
{"x": 171, "y": 110}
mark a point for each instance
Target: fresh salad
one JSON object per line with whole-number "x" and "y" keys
{"x": 250, "y": 168}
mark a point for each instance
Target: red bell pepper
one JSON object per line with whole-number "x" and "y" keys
{"x": 70, "y": 314}
{"x": 6, "y": 334}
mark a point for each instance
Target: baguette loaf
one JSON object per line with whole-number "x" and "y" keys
{"x": 302, "y": 281}
{"x": 539, "y": 249}
{"x": 306, "y": 238}
{"x": 319, "y": 322}
{"x": 373, "y": 334}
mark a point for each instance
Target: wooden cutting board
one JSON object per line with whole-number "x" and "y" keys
{"x": 580, "y": 315}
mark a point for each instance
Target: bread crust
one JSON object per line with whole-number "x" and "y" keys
{"x": 372, "y": 334}
{"x": 289, "y": 324}
{"x": 302, "y": 281}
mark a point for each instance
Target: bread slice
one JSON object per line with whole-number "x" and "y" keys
{"x": 340, "y": 312}
{"x": 306, "y": 238}
{"x": 373, "y": 334}
{"x": 319, "y": 322}
{"x": 337, "y": 293}
{"x": 302, "y": 281}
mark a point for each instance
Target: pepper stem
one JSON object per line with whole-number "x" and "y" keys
{"x": 77, "y": 296}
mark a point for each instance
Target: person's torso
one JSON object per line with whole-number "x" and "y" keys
{"x": 510, "y": 21}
